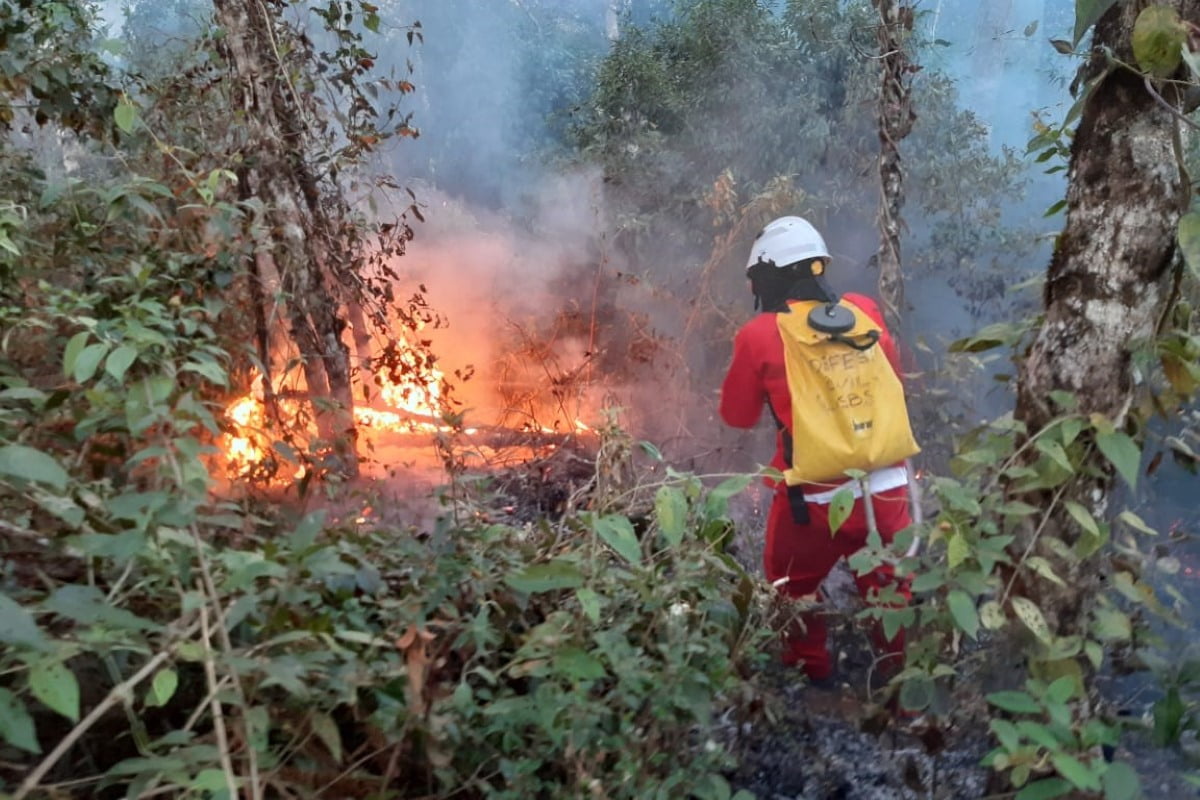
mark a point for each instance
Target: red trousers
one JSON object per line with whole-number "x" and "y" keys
{"x": 805, "y": 555}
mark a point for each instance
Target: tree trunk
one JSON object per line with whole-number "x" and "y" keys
{"x": 1107, "y": 285}
{"x": 362, "y": 346}
{"x": 895, "y": 122}
{"x": 303, "y": 240}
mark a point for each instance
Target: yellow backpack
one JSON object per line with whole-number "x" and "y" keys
{"x": 848, "y": 408}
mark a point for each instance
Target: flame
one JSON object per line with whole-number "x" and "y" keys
{"x": 246, "y": 414}
{"x": 405, "y": 395}
{"x": 407, "y": 399}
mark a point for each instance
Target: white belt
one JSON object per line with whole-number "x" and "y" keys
{"x": 880, "y": 481}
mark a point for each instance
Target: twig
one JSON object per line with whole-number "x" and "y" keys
{"x": 114, "y": 696}
{"x": 1037, "y": 534}
{"x": 1162, "y": 101}
{"x": 213, "y": 596}
{"x": 23, "y": 533}
{"x": 210, "y": 675}
{"x": 344, "y": 773}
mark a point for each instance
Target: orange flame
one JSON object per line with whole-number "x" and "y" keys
{"x": 406, "y": 399}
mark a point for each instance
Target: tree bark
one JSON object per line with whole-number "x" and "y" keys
{"x": 1107, "y": 286}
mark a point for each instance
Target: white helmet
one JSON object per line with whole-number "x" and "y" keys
{"x": 787, "y": 240}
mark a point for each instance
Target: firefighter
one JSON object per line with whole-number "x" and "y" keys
{"x": 787, "y": 262}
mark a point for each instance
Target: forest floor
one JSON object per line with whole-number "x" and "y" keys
{"x": 838, "y": 741}
{"x": 796, "y": 741}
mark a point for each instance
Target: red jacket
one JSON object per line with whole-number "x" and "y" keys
{"x": 757, "y": 372}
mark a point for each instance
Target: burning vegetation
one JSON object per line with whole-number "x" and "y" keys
{"x": 546, "y": 385}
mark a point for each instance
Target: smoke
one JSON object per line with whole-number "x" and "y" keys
{"x": 527, "y": 304}
{"x": 538, "y": 300}
{"x": 541, "y": 329}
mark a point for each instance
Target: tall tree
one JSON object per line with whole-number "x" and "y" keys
{"x": 305, "y": 239}
{"x": 1110, "y": 281}
{"x": 895, "y": 122}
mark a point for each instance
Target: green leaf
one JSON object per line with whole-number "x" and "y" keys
{"x": 258, "y": 727}
{"x": 1112, "y": 624}
{"x": 578, "y": 664}
{"x": 1094, "y": 652}
{"x": 651, "y": 450}
{"x": 1038, "y": 733}
{"x": 671, "y": 511}
{"x": 1016, "y": 702}
{"x": 1056, "y": 453}
{"x": 1075, "y": 771}
{"x": 306, "y": 531}
{"x": 1189, "y": 240}
{"x": 1071, "y": 429}
{"x": 16, "y": 625}
{"x": 1028, "y": 612}
{"x": 1137, "y": 523}
{"x": 618, "y": 532}
{"x": 916, "y": 693}
{"x": 26, "y": 463}
{"x": 55, "y": 685}
{"x": 162, "y": 687}
{"x": 1016, "y": 508}
{"x": 839, "y": 509}
{"x": 1045, "y": 789}
{"x": 210, "y": 782}
{"x": 119, "y": 361}
{"x": 927, "y": 581}
{"x": 589, "y": 601}
{"x": 88, "y": 606}
{"x": 1006, "y": 733}
{"x": 1087, "y": 13}
{"x": 73, "y": 349}
{"x": 329, "y": 734}
{"x": 125, "y": 114}
{"x": 1158, "y": 39}
{"x": 547, "y": 577}
{"x": 210, "y": 370}
{"x": 16, "y": 726}
{"x": 1120, "y": 782}
{"x": 87, "y": 362}
{"x": 1123, "y": 453}
{"x": 1168, "y": 712}
{"x": 716, "y": 504}
{"x": 1084, "y": 517}
{"x": 1042, "y": 567}
{"x": 991, "y": 614}
{"x": 962, "y": 608}
{"x": 731, "y": 486}
{"x": 1061, "y": 690}
{"x": 1054, "y": 209}
{"x": 957, "y": 550}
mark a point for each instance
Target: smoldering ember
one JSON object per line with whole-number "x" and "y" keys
{"x": 612, "y": 399}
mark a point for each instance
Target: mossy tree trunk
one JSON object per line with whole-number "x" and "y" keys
{"x": 1108, "y": 285}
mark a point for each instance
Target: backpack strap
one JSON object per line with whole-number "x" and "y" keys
{"x": 795, "y": 494}
{"x": 862, "y": 343}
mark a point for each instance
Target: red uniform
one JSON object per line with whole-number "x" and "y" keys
{"x": 804, "y": 554}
